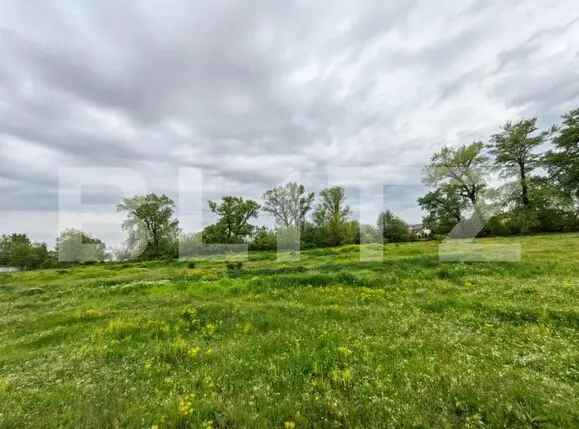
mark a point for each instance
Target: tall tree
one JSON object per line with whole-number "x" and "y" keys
{"x": 77, "y": 246}
{"x": 444, "y": 208}
{"x": 150, "y": 221}
{"x": 234, "y": 214}
{"x": 392, "y": 228}
{"x": 332, "y": 207}
{"x": 513, "y": 149}
{"x": 332, "y": 214}
{"x": 563, "y": 162}
{"x": 461, "y": 169}
{"x": 288, "y": 204}
{"x": 16, "y": 250}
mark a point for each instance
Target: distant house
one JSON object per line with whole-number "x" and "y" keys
{"x": 424, "y": 234}
{"x": 420, "y": 231}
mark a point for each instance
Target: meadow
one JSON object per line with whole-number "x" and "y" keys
{"x": 323, "y": 341}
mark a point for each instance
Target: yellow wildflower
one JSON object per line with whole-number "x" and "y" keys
{"x": 194, "y": 352}
{"x": 344, "y": 351}
{"x": 344, "y": 376}
{"x": 186, "y": 405}
{"x": 209, "y": 329}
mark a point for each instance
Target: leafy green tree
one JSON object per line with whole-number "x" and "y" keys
{"x": 332, "y": 214}
{"x": 151, "y": 226}
{"x": 563, "y": 162}
{"x": 553, "y": 207}
{"x": 513, "y": 149}
{"x": 216, "y": 234}
{"x": 461, "y": 169}
{"x": 443, "y": 208}
{"x": 351, "y": 232}
{"x": 234, "y": 215}
{"x": 4, "y": 250}
{"x": 288, "y": 204}
{"x": 312, "y": 236}
{"x": 332, "y": 206}
{"x": 392, "y": 228}
{"x": 16, "y": 250}
{"x": 19, "y": 251}
{"x": 76, "y": 246}
{"x": 263, "y": 239}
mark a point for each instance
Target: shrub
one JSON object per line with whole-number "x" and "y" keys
{"x": 234, "y": 267}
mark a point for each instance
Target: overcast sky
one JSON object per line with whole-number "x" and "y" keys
{"x": 253, "y": 94}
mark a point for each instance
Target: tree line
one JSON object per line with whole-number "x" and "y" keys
{"x": 539, "y": 192}
{"x": 540, "y": 188}
{"x": 72, "y": 246}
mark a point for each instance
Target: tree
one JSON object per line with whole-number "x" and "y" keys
{"x": 513, "y": 151}
{"x": 332, "y": 214}
{"x": 16, "y": 250}
{"x": 553, "y": 206}
{"x": 150, "y": 224}
{"x": 288, "y": 204}
{"x": 263, "y": 239}
{"x": 563, "y": 162}
{"x": 4, "y": 250}
{"x": 369, "y": 234}
{"x": 76, "y": 246}
{"x": 332, "y": 207}
{"x": 444, "y": 208}
{"x": 462, "y": 169}
{"x": 234, "y": 214}
{"x": 392, "y": 228}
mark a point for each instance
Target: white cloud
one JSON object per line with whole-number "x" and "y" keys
{"x": 255, "y": 93}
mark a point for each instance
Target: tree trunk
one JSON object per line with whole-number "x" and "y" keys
{"x": 524, "y": 187}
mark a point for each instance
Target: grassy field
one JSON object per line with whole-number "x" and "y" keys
{"x": 326, "y": 341}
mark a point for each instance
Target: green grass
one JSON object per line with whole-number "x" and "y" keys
{"x": 325, "y": 341}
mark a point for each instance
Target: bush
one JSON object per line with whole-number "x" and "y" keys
{"x": 392, "y": 228}
{"x": 234, "y": 267}
{"x": 263, "y": 239}
{"x": 499, "y": 225}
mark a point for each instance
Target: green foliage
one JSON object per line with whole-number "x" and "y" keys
{"x": 513, "y": 149}
{"x": 288, "y": 204}
{"x": 263, "y": 239}
{"x": 530, "y": 204}
{"x": 76, "y": 246}
{"x": 444, "y": 207}
{"x": 331, "y": 216}
{"x": 552, "y": 210}
{"x": 563, "y": 161}
{"x": 151, "y": 226}
{"x": 392, "y": 228}
{"x": 233, "y": 267}
{"x": 234, "y": 214}
{"x": 16, "y": 250}
{"x": 461, "y": 170}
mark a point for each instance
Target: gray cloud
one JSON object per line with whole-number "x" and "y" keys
{"x": 254, "y": 94}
